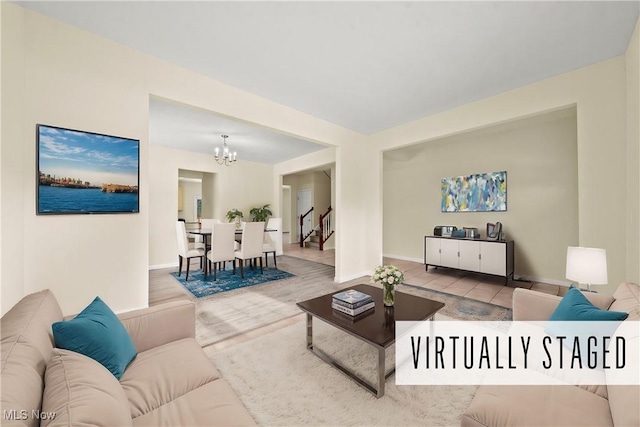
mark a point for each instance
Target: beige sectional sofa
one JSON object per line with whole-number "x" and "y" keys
{"x": 548, "y": 405}
{"x": 170, "y": 382}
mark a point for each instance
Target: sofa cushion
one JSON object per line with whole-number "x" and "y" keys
{"x": 623, "y": 400}
{"x": 162, "y": 374}
{"x": 543, "y": 405}
{"x": 25, "y": 349}
{"x": 80, "y": 391}
{"x": 98, "y": 333}
{"x": 214, "y": 404}
{"x": 627, "y": 299}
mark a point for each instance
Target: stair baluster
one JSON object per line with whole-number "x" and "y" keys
{"x": 304, "y": 234}
{"x": 326, "y": 228}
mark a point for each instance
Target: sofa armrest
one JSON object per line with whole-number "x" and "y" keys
{"x": 531, "y": 305}
{"x": 160, "y": 324}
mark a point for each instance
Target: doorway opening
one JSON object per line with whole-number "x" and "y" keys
{"x": 195, "y": 195}
{"x": 305, "y": 203}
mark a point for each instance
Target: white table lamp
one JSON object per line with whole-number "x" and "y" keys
{"x": 587, "y": 265}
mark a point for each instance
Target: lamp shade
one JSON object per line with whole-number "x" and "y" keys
{"x": 587, "y": 265}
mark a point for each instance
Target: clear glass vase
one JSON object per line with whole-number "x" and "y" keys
{"x": 388, "y": 294}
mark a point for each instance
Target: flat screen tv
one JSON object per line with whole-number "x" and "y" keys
{"x": 83, "y": 172}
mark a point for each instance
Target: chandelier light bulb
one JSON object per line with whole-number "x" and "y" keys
{"x": 227, "y": 158}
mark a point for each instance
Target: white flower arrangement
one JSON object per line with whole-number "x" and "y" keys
{"x": 389, "y": 276}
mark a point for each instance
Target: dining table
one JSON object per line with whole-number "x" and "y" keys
{"x": 206, "y": 238}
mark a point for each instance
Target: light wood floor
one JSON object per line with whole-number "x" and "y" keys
{"x": 164, "y": 288}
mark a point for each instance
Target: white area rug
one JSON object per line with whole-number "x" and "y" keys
{"x": 284, "y": 384}
{"x": 227, "y": 314}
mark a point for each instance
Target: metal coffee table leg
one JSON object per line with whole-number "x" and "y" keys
{"x": 381, "y": 372}
{"x": 381, "y": 377}
{"x": 309, "y": 331}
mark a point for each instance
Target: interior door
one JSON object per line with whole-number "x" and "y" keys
{"x": 305, "y": 202}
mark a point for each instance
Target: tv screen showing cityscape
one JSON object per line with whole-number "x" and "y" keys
{"x": 85, "y": 172}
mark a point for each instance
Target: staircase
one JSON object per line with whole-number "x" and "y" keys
{"x": 317, "y": 237}
{"x": 314, "y": 239}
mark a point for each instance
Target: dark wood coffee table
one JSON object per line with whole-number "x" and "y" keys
{"x": 376, "y": 327}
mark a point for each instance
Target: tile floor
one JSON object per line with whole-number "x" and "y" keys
{"x": 480, "y": 287}
{"x": 328, "y": 256}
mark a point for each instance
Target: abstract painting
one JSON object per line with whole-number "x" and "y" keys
{"x": 482, "y": 192}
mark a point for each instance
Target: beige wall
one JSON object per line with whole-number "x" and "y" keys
{"x": 540, "y": 157}
{"x": 285, "y": 211}
{"x": 208, "y": 195}
{"x": 242, "y": 186}
{"x": 53, "y": 73}
{"x": 75, "y": 85}
{"x": 63, "y": 76}
{"x": 2, "y": 83}
{"x": 12, "y": 158}
{"x": 322, "y": 193}
{"x": 633, "y": 156}
{"x": 598, "y": 91}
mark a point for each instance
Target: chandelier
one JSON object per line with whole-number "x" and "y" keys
{"x": 227, "y": 157}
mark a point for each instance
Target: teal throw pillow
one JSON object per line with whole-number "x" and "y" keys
{"x": 574, "y": 306}
{"x": 97, "y": 333}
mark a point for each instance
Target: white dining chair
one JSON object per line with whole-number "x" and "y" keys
{"x": 270, "y": 244}
{"x": 251, "y": 248}
{"x": 222, "y": 247}
{"x": 195, "y": 237}
{"x": 209, "y": 222}
{"x": 186, "y": 250}
{"x": 238, "y": 244}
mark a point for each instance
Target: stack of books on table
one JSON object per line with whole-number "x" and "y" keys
{"x": 352, "y": 302}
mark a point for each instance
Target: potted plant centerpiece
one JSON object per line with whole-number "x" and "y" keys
{"x": 261, "y": 214}
{"x": 389, "y": 276}
{"x": 234, "y": 215}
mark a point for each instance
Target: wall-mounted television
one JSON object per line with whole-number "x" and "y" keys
{"x": 80, "y": 172}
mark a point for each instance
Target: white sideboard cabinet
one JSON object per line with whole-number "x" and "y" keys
{"x": 493, "y": 257}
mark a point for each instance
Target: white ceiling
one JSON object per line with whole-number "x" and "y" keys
{"x": 183, "y": 127}
{"x": 367, "y": 66}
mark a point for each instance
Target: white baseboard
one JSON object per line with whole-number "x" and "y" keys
{"x": 527, "y": 278}
{"x": 159, "y": 266}
{"x": 404, "y": 258}
{"x": 343, "y": 279}
{"x": 543, "y": 280}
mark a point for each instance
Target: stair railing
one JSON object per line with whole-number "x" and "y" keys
{"x": 305, "y": 232}
{"x": 326, "y": 227}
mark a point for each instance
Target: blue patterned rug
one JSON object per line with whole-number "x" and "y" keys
{"x": 227, "y": 281}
